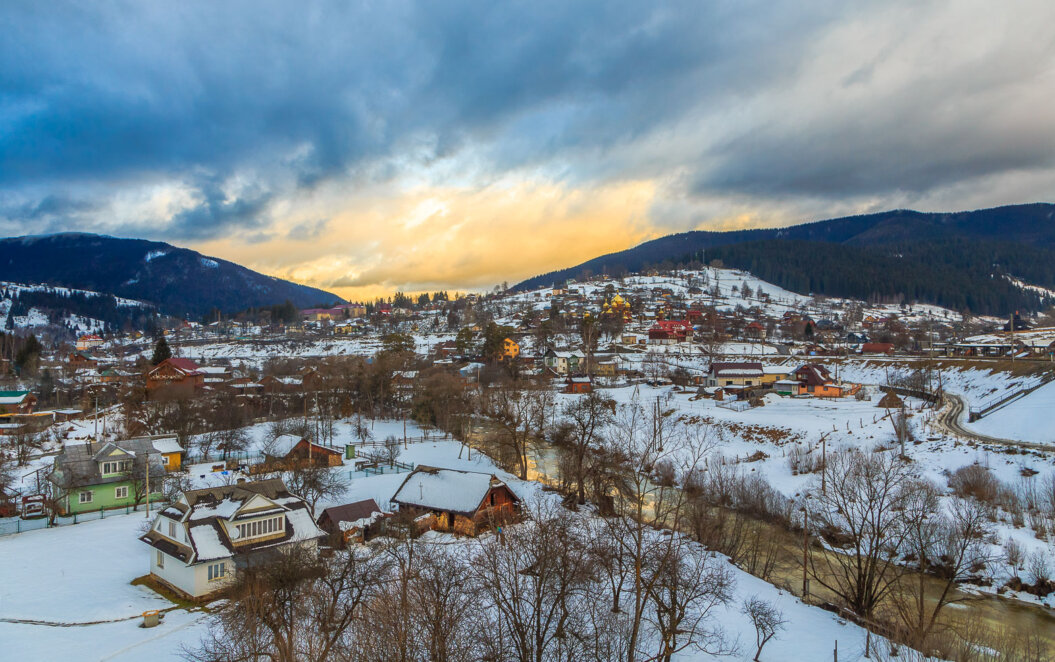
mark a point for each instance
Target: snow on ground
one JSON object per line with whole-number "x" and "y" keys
{"x": 81, "y": 573}
{"x": 77, "y": 573}
{"x": 124, "y": 641}
{"x": 785, "y": 425}
{"x": 1024, "y": 419}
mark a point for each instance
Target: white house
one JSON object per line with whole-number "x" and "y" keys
{"x": 200, "y": 541}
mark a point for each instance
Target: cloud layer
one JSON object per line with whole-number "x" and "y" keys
{"x": 374, "y": 146}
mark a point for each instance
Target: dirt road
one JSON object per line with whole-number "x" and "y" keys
{"x": 948, "y": 419}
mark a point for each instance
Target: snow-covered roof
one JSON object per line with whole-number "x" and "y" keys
{"x": 207, "y": 543}
{"x": 209, "y": 515}
{"x": 13, "y": 397}
{"x": 445, "y": 489}
{"x": 167, "y": 445}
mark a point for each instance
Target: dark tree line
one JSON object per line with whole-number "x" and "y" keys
{"x": 965, "y": 275}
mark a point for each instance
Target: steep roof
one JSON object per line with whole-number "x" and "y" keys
{"x": 814, "y": 374}
{"x": 78, "y": 464}
{"x": 203, "y": 511}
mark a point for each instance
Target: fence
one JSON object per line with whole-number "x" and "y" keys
{"x": 395, "y": 468}
{"x": 735, "y": 405}
{"x": 12, "y": 525}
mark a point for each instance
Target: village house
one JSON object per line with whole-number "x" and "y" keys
{"x": 200, "y": 541}
{"x": 272, "y": 384}
{"x": 735, "y": 374}
{"x": 465, "y": 502}
{"x": 403, "y": 381}
{"x": 353, "y": 522}
{"x": 174, "y": 378}
{"x": 17, "y": 402}
{"x": 815, "y": 379}
{"x": 578, "y": 385}
{"x": 88, "y": 341}
{"x": 510, "y": 349}
{"x": 755, "y": 331}
{"x": 291, "y": 449}
{"x": 113, "y": 474}
{"x": 82, "y": 359}
{"x": 215, "y": 375}
{"x": 563, "y": 363}
{"x": 670, "y": 332}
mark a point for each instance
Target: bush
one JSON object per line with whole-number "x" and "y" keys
{"x": 976, "y": 482}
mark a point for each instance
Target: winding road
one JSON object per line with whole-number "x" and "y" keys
{"x": 949, "y": 417}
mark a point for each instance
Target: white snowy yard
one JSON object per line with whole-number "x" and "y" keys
{"x": 81, "y": 574}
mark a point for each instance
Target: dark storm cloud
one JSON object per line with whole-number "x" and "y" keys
{"x": 132, "y": 94}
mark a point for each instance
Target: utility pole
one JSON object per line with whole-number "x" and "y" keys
{"x": 805, "y": 549}
{"x": 148, "y": 483}
{"x": 824, "y": 463}
{"x": 1011, "y": 335}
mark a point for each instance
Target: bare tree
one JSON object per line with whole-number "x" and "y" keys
{"x": 443, "y": 599}
{"x": 536, "y": 583}
{"x": 767, "y": 619}
{"x": 650, "y": 451}
{"x": 313, "y": 482}
{"x": 946, "y": 547}
{"x": 860, "y": 512}
{"x": 586, "y": 417}
{"x": 391, "y": 450}
{"x": 520, "y": 415}
{"x": 292, "y": 607}
{"x": 690, "y": 584}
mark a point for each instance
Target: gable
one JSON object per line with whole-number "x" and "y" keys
{"x": 257, "y": 503}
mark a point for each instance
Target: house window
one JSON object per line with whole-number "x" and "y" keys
{"x": 217, "y": 571}
{"x": 86, "y": 497}
{"x": 121, "y": 492}
{"x": 161, "y": 559}
{"x": 172, "y": 529}
{"x": 265, "y": 527}
{"x": 117, "y": 467}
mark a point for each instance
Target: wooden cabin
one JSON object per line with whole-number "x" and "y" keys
{"x": 465, "y": 502}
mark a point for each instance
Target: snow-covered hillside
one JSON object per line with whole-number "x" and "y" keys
{"x": 55, "y": 306}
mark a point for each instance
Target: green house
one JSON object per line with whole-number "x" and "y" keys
{"x": 103, "y": 475}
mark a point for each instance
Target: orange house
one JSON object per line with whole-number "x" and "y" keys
{"x": 815, "y": 380}
{"x": 510, "y": 349}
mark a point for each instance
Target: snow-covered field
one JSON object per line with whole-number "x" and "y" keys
{"x": 82, "y": 574}
{"x": 1027, "y": 419}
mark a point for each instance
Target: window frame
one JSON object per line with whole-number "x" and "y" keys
{"x": 84, "y": 493}
{"x": 217, "y": 571}
{"x": 118, "y": 494}
{"x": 160, "y": 558}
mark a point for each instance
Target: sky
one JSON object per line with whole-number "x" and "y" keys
{"x": 369, "y": 147}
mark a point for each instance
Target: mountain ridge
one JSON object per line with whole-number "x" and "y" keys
{"x": 977, "y": 251}
{"x": 179, "y": 281}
